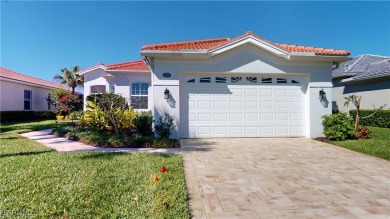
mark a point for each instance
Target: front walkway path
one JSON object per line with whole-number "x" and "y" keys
{"x": 62, "y": 144}
{"x": 283, "y": 178}
{"x": 271, "y": 178}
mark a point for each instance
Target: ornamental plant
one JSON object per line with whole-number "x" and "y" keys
{"x": 109, "y": 114}
{"x": 338, "y": 127}
{"x": 164, "y": 126}
{"x": 69, "y": 103}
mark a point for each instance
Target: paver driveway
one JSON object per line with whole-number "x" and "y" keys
{"x": 283, "y": 178}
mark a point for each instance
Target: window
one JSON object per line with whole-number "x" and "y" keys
{"x": 112, "y": 88}
{"x": 281, "y": 80}
{"x": 236, "y": 79}
{"x": 220, "y": 80}
{"x": 191, "y": 81}
{"x": 252, "y": 79}
{"x": 27, "y": 99}
{"x": 294, "y": 82}
{"x": 205, "y": 80}
{"x": 266, "y": 80}
{"x": 139, "y": 95}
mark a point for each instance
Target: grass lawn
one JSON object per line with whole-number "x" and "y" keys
{"x": 37, "y": 182}
{"x": 378, "y": 145}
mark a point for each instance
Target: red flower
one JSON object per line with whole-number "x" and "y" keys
{"x": 163, "y": 169}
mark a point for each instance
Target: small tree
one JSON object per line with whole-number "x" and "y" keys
{"x": 70, "y": 78}
{"x": 356, "y": 100}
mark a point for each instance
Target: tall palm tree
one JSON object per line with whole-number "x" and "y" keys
{"x": 70, "y": 78}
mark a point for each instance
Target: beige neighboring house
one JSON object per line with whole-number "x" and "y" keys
{"x": 20, "y": 92}
{"x": 365, "y": 75}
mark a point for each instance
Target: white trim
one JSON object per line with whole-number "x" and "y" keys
{"x": 253, "y": 40}
{"x": 168, "y": 83}
{"x": 91, "y": 69}
{"x": 320, "y": 84}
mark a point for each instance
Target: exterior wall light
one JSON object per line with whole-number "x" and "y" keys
{"x": 322, "y": 95}
{"x": 166, "y": 94}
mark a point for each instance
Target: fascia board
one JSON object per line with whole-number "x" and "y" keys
{"x": 252, "y": 40}
{"x": 310, "y": 57}
{"x": 91, "y": 69}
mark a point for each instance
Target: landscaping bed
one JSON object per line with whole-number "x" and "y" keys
{"x": 102, "y": 139}
{"x": 38, "y": 182}
{"x": 378, "y": 145}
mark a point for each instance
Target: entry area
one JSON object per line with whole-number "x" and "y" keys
{"x": 242, "y": 106}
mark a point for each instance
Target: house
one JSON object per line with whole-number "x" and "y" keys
{"x": 130, "y": 79}
{"x": 367, "y": 76}
{"x": 20, "y": 92}
{"x": 231, "y": 87}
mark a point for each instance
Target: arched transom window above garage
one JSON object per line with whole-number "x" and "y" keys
{"x": 249, "y": 80}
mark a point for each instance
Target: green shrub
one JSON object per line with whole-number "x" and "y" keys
{"x": 109, "y": 115}
{"x": 164, "y": 126}
{"x": 338, "y": 127}
{"x": 18, "y": 116}
{"x": 144, "y": 123}
{"x": 380, "y": 119}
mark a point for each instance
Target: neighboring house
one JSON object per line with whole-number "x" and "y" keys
{"x": 365, "y": 75}
{"x": 233, "y": 87}
{"x": 130, "y": 79}
{"x": 20, "y": 92}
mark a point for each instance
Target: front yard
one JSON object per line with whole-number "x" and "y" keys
{"x": 378, "y": 145}
{"x": 39, "y": 182}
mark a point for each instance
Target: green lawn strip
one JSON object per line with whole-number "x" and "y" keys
{"x": 378, "y": 145}
{"x": 35, "y": 179}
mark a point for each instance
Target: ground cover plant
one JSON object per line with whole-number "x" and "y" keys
{"x": 37, "y": 182}
{"x": 378, "y": 145}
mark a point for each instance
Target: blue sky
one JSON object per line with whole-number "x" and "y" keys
{"x": 40, "y": 38}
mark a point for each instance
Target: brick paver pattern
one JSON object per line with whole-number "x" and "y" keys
{"x": 283, "y": 178}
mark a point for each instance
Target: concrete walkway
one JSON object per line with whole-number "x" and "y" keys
{"x": 62, "y": 144}
{"x": 271, "y": 178}
{"x": 283, "y": 178}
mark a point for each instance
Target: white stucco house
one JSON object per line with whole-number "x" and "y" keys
{"x": 228, "y": 87}
{"x": 20, "y": 92}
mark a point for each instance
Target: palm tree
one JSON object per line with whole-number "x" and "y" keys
{"x": 70, "y": 78}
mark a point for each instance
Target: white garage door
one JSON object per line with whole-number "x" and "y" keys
{"x": 242, "y": 106}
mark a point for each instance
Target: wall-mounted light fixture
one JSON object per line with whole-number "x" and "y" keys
{"x": 322, "y": 95}
{"x": 166, "y": 94}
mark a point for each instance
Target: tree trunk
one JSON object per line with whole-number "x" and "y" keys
{"x": 73, "y": 88}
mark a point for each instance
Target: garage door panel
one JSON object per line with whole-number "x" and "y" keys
{"x": 235, "y": 130}
{"x": 242, "y": 110}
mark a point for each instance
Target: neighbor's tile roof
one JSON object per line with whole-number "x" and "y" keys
{"x": 214, "y": 43}
{"x": 5, "y": 73}
{"x": 138, "y": 65}
{"x": 379, "y": 69}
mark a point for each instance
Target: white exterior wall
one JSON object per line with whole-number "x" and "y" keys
{"x": 373, "y": 93}
{"x": 12, "y": 96}
{"x": 121, "y": 80}
{"x": 92, "y": 78}
{"x": 249, "y": 60}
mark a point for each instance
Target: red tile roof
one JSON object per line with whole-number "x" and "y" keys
{"x": 5, "y": 73}
{"x": 128, "y": 66}
{"x": 214, "y": 43}
{"x": 195, "y": 44}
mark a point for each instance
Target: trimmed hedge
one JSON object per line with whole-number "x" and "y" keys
{"x": 17, "y": 116}
{"x": 380, "y": 119}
